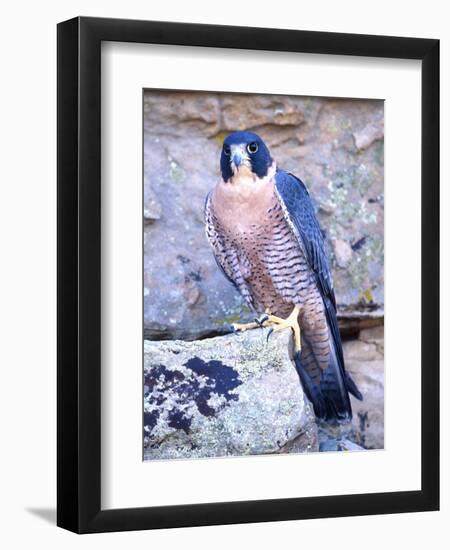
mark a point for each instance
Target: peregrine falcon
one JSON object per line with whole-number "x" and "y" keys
{"x": 265, "y": 236}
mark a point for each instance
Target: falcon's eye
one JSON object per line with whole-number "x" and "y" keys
{"x": 252, "y": 147}
{"x": 227, "y": 150}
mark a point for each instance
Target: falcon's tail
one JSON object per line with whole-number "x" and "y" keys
{"x": 328, "y": 389}
{"x": 330, "y": 397}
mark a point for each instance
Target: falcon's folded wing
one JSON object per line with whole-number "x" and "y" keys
{"x": 299, "y": 213}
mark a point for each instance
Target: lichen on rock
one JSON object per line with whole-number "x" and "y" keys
{"x": 226, "y": 396}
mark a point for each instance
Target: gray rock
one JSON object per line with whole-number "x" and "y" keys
{"x": 152, "y": 207}
{"x": 330, "y": 144}
{"x": 334, "y": 438}
{"x": 370, "y": 133}
{"x": 243, "y": 111}
{"x": 342, "y": 252}
{"x": 364, "y": 359}
{"x": 224, "y": 396}
{"x": 330, "y": 444}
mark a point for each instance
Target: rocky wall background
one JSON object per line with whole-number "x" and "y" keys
{"x": 336, "y": 147}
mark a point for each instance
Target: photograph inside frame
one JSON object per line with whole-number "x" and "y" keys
{"x": 263, "y": 274}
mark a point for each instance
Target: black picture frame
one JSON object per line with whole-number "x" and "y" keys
{"x": 79, "y": 281}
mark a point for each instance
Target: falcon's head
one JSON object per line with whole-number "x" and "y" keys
{"x": 244, "y": 154}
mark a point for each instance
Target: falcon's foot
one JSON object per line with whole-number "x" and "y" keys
{"x": 277, "y": 323}
{"x": 241, "y": 327}
{"x": 258, "y": 323}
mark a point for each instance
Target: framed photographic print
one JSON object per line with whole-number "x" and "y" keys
{"x": 248, "y": 258}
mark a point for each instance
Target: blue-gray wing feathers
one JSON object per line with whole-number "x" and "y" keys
{"x": 331, "y": 398}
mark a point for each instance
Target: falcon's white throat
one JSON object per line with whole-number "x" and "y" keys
{"x": 246, "y": 180}
{"x": 243, "y": 175}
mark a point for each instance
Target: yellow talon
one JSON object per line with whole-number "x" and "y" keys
{"x": 290, "y": 322}
{"x": 241, "y": 327}
{"x": 277, "y": 323}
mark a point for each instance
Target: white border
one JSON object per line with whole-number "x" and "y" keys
{"x": 126, "y": 480}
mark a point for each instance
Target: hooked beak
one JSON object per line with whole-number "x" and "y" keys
{"x": 238, "y": 157}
